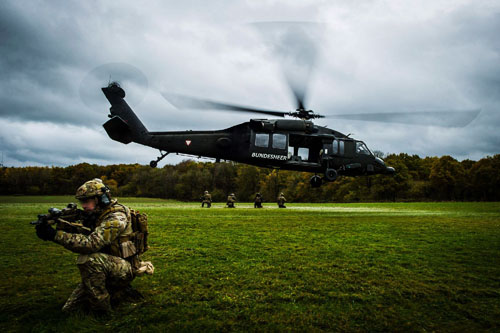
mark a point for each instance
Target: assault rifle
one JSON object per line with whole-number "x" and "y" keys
{"x": 68, "y": 219}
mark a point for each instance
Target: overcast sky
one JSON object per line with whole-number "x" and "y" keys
{"x": 374, "y": 56}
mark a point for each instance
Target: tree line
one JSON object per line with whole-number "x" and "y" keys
{"x": 416, "y": 179}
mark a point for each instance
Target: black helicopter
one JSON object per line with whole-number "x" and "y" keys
{"x": 289, "y": 144}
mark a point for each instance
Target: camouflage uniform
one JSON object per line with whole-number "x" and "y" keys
{"x": 281, "y": 200}
{"x": 108, "y": 261}
{"x": 98, "y": 268}
{"x": 231, "y": 199}
{"x": 206, "y": 199}
{"x": 103, "y": 276}
{"x": 257, "y": 203}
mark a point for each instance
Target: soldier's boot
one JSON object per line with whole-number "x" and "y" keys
{"x": 126, "y": 294}
{"x": 78, "y": 300}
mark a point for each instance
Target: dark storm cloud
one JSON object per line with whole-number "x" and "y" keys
{"x": 41, "y": 54}
{"x": 29, "y": 42}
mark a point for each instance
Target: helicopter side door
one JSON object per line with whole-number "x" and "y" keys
{"x": 304, "y": 151}
{"x": 344, "y": 155}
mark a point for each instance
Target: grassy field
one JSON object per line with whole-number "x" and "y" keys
{"x": 310, "y": 267}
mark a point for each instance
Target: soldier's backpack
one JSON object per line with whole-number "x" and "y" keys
{"x": 140, "y": 228}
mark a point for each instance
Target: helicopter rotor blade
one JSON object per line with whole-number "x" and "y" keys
{"x": 188, "y": 102}
{"x": 457, "y": 118}
{"x": 295, "y": 45}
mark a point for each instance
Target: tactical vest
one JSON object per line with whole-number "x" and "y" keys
{"x": 132, "y": 242}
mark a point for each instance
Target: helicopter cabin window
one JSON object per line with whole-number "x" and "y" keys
{"x": 261, "y": 140}
{"x": 362, "y": 149}
{"x": 279, "y": 141}
{"x": 335, "y": 147}
{"x": 341, "y": 147}
{"x": 303, "y": 153}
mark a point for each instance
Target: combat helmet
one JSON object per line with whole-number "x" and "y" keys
{"x": 91, "y": 189}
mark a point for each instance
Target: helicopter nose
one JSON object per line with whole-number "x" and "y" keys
{"x": 390, "y": 170}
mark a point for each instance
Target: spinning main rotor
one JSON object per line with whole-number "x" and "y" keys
{"x": 295, "y": 44}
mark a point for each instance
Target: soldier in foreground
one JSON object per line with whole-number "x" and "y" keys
{"x": 206, "y": 199}
{"x": 109, "y": 251}
{"x": 231, "y": 199}
{"x": 281, "y": 200}
{"x": 257, "y": 202}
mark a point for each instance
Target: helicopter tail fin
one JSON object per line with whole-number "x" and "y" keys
{"x": 124, "y": 126}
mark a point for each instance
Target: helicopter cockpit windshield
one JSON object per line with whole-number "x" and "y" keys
{"x": 362, "y": 149}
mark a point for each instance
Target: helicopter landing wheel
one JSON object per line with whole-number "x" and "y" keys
{"x": 330, "y": 174}
{"x": 153, "y": 164}
{"x": 316, "y": 181}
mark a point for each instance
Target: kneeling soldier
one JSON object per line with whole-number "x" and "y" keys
{"x": 206, "y": 199}
{"x": 281, "y": 200}
{"x": 109, "y": 258}
{"x": 257, "y": 202}
{"x": 231, "y": 199}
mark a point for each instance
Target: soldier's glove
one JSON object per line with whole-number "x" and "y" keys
{"x": 45, "y": 232}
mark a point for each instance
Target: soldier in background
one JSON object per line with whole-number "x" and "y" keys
{"x": 257, "y": 202}
{"x": 281, "y": 200}
{"x": 231, "y": 199}
{"x": 206, "y": 199}
{"x": 108, "y": 260}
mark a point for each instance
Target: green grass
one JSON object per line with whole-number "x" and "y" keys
{"x": 310, "y": 267}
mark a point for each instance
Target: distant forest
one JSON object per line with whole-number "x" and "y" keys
{"x": 416, "y": 179}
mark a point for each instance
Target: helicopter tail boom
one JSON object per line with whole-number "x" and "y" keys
{"x": 124, "y": 126}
